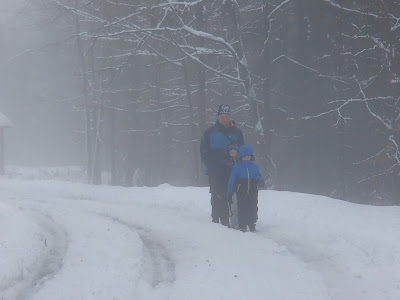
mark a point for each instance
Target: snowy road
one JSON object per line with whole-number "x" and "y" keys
{"x": 71, "y": 241}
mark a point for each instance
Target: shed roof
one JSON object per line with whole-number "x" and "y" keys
{"x": 4, "y": 121}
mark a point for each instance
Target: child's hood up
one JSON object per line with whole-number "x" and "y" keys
{"x": 246, "y": 150}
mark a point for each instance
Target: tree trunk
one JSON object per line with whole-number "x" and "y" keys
{"x": 129, "y": 166}
{"x": 113, "y": 149}
{"x": 195, "y": 143}
{"x": 85, "y": 89}
{"x": 201, "y": 74}
{"x": 393, "y": 72}
{"x": 307, "y": 147}
{"x": 340, "y": 184}
{"x": 98, "y": 118}
{"x": 97, "y": 161}
{"x": 262, "y": 146}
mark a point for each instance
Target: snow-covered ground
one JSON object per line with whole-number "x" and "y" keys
{"x": 61, "y": 240}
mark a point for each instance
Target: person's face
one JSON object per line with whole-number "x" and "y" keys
{"x": 247, "y": 157}
{"x": 233, "y": 153}
{"x": 224, "y": 120}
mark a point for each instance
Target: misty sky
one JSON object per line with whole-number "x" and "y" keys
{"x": 31, "y": 83}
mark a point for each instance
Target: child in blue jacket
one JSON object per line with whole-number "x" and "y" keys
{"x": 245, "y": 179}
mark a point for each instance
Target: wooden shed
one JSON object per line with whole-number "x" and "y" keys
{"x": 4, "y": 123}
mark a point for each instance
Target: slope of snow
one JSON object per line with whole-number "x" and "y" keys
{"x": 63, "y": 240}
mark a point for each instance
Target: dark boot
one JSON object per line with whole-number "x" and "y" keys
{"x": 242, "y": 228}
{"x": 252, "y": 227}
{"x": 225, "y": 221}
{"x": 215, "y": 220}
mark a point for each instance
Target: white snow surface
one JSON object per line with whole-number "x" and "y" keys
{"x": 65, "y": 240}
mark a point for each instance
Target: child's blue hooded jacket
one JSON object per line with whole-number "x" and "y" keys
{"x": 245, "y": 175}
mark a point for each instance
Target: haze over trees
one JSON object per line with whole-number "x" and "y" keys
{"x": 314, "y": 85}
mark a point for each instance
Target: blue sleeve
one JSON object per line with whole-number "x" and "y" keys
{"x": 232, "y": 179}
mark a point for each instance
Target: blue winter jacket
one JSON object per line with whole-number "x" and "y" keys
{"x": 213, "y": 147}
{"x": 245, "y": 175}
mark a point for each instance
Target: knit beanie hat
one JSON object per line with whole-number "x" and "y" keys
{"x": 224, "y": 109}
{"x": 233, "y": 147}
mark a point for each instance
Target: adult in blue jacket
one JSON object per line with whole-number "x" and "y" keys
{"x": 245, "y": 179}
{"x": 214, "y": 153}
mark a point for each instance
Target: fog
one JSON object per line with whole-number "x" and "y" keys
{"x": 126, "y": 89}
{"x": 32, "y": 84}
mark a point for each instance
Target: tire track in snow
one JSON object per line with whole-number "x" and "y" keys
{"x": 158, "y": 266}
{"x": 317, "y": 258}
{"x": 309, "y": 255}
{"x": 46, "y": 266}
{"x": 52, "y": 263}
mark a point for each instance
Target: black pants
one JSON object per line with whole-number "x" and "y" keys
{"x": 247, "y": 209}
{"x": 219, "y": 202}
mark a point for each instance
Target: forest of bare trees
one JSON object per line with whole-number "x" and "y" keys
{"x": 313, "y": 84}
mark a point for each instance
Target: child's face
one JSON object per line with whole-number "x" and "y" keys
{"x": 247, "y": 157}
{"x": 233, "y": 153}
